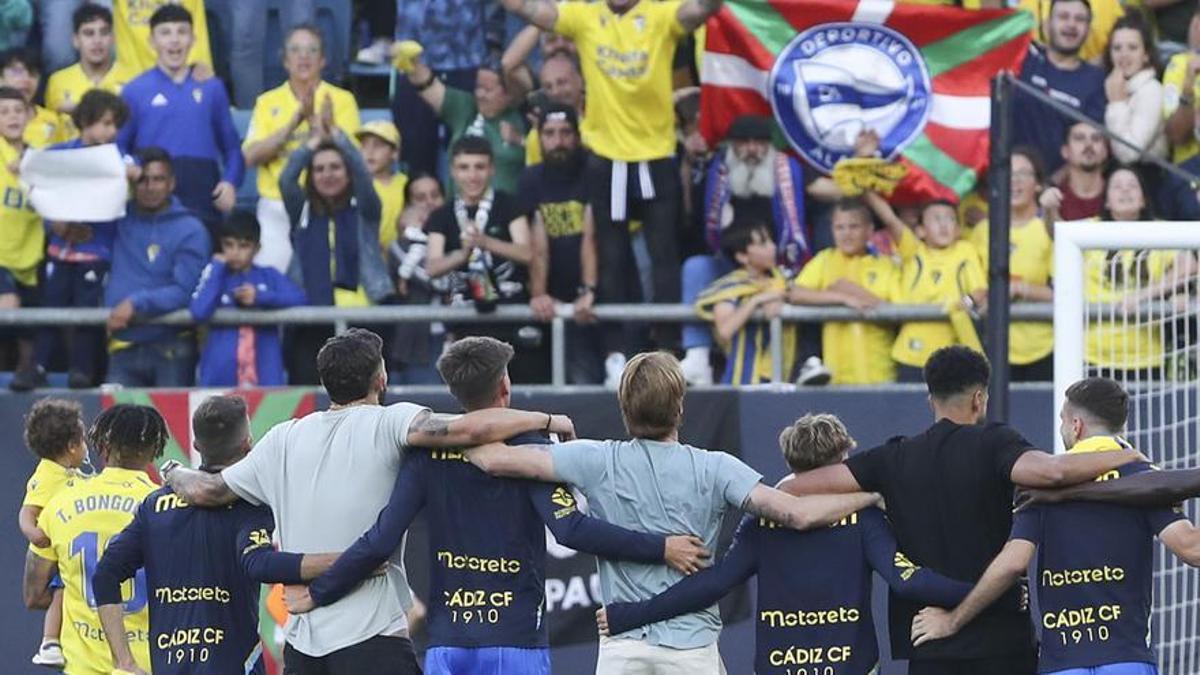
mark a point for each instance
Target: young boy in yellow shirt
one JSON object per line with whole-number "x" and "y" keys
{"x": 54, "y": 432}
{"x": 380, "y": 141}
{"x": 851, "y": 274}
{"x": 22, "y": 70}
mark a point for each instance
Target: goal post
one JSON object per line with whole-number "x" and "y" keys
{"x": 1134, "y": 306}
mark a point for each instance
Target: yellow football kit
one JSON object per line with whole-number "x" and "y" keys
{"x": 1123, "y": 343}
{"x": 131, "y": 31}
{"x": 80, "y": 520}
{"x": 1031, "y": 260}
{"x": 48, "y": 478}
{"x": 24, "y": 239}
{"x": 1173, "y": 80}
{"x": 67, "y": 86}
{"x": 47, "y": 128}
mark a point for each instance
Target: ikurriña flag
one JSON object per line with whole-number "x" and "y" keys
{"x": 919, "y": 75}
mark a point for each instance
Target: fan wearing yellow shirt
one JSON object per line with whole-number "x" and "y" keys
{"x": 97, "y": 67}
{"x": 562, "y": 83}
{"x": 21, "y": 69}
{"x": 942, "y": 270}
{"x": 1125, "y": 345}
{"x": 132, "y": 23}
{"x": 281, "y": 123}
{"x": 54, "y": 433}
{"x": 380, "y": 141}
{"x": 626, "y": 49}
{"x": 850, "y": 274}
{"x": 1031, "y": 267}
{"x": 80, "y": 520}
{"x": 1179, "y": 95}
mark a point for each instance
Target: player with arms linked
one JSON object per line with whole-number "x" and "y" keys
{"x": 1095, "y": 561}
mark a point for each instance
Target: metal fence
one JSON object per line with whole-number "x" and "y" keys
{"x": 341, "y": 318}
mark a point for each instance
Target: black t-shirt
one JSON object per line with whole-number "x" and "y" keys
{"x": 510, "y": 277}
{"x": 949, "y": 496}
{"x": 1094, "y": 574}
{"x": 560, "y": 198}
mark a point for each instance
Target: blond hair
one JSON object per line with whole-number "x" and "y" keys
{"x": 815, "y": 440}
{"x": 651, "y": 395}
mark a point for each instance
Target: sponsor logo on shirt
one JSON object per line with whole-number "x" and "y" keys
{"x": 159, "y": 100}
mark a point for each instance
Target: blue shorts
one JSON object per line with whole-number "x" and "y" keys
{"x": 1128, "y": 668}
{"x": 486, "y": 661}
{"x": 56, "y": 583}
{"x": 9, "y": 284}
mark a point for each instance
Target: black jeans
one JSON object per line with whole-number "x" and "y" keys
{"x": 1023, "y": 664}
{"x": 384, "y": 655}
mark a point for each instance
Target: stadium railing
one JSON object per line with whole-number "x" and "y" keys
{"x": 342, "y": 318}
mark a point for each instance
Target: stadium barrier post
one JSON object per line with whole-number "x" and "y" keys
{"x": 999, "y": 211}
{"x": 776, "y": 349}
{"x": 558, "y": 351}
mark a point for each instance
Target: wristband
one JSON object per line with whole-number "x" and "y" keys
{"x": 549, "y": 421}
{"x": 584, "y": 289}
{"x": 167, "y": 467}
{"x": 426, "y": 84}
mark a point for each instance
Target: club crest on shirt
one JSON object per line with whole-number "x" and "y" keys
{"x": 639, "y": 23}
{"x": 198, "y": 94}
{"x": 152, "y": 252}
{"x": 835, "y": 80}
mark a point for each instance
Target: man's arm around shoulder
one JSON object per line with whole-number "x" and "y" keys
{"x": 807, "y": 512}
{"x": 198, "y": 488}
{"x": 436, "y": 430}
{"x": 1037, "y": 469}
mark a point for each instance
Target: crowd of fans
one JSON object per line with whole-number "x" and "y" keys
{"x": 557, "y": 162}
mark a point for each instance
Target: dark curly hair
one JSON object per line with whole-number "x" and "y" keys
{"x": 129, "y": 435}
{"x": 52, "y": 426}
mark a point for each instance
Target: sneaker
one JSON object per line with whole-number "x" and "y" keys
{"x": 814, "y": 372}
{"x": 614, "y": 365}
{"x": 376, "y": 53}
{"x": 49, "y": 654}
{"x": 696, "y": 368}
{"x": 28, "y": 379}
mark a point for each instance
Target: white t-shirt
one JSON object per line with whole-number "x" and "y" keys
{"x": 326, "y": 476}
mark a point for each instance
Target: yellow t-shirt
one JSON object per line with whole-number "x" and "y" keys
{"x": 1104, "y": 15}
{"x": 71, "y": 83}
{"x": 856, "y": 352}
{"x": 1117, "y": 344}
{"x": 392, "y": 198}
{"x": 47, "y": 479}
{"x": 626, "y": 60}
{"x": 1031, "y": 259}
{"x": 47, "y": 128}
{"x": 274, "y": 110}
{"x": 24, "y": 239}
{"x": 131, "y": 31}
{"x": 80, "y": 520}
{"x": 932, "y": 276}
{"x": 1172, "y": 79}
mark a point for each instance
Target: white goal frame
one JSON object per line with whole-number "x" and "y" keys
{"x": 1071, "y": 239}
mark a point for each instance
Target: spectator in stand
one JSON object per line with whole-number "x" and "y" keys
{"x": 1080, "y": 193}
{"x": 248, "y": 51}
{"x": 97, "y": 67}
{"x": 488, "y": 113}
{"x": 626, "y": 49}
{"x": 20, "y": 69}
{"x": 380, "y": 142}
{"x": 335, "y": 234}
{"x": 481, "y": 239}
{"x": 158, "y": 254}
{"x": 241, "y": 356}
{"x": 380, "y": 18}
{"x": 16, "y": 16}
{"x": 79, "y": 255}
{"x": 189, "y": 118}
{"x": 1171, "y": 23}
{"x": 1057, "y": 69}
{"x": 416, "y": 346}
{"x": 21, "y": 246}
{"x": 1031, "y": 267}
{"x": 853, "y": 274}
{"x": 1135, "y": 96}
{"x": 1179, "y": 94}
{"x": 562, "y": 82}
{"x": 134, "y": 28}
{"x": 1102, "y": 16}
{"x": 461, "y": 36}
{"x": 554, "y": 193}
{"x": 283, "y": 119}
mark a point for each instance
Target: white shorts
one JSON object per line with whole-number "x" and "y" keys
{"x": 276, "y": 235}
{"x": 638, "y": 657}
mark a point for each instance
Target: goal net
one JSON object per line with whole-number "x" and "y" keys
{"x": 1123, "y": 309}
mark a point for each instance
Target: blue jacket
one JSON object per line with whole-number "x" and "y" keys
{"x": 157, "y": 260}
{"x": 218, "y": 361}
{"x": 98, "y": 248}
{"x": 191, "y": 121}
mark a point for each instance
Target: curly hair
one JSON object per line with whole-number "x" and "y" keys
{"x": 52, "y": 426}
{"x": 129, "y": 435}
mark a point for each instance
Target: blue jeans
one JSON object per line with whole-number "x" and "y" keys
{"x": 155, "y": 364}
{"x": 1129, "y": 668}
{"x": 72, "y": 284}
{"x": 249, "y": 32}
{"x": 54, "y": 19}
{"x": 486, "y": 661}
{"x": 698, "y": 272}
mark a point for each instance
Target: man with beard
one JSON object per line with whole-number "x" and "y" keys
{"x": 563, "y": 85}
{"x": 1080, "y": 192}
{"x": 562, "y": 231}
{"x": 751, "y": 181}
{"x": 1057, "y": 70}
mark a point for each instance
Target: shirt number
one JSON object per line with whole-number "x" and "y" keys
{"x": 87, "y": 546}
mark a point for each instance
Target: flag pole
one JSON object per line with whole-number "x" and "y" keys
{"x": 1000, "y": 222}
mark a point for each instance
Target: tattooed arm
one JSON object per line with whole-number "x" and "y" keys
{"x": 198, "y": 488}
{"x": 541, "y": 13}
{"x": 436, "y": 430}
{"x": 693, "y": 13}
{"x": 804, "y": 513}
